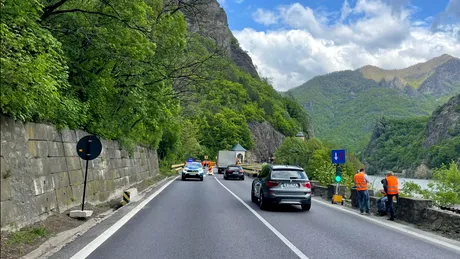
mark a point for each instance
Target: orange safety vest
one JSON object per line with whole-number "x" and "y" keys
{"x": 392, "y": 185}
{"x": 361, "y": 184}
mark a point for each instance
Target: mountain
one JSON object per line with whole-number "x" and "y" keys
{"x": 416, "y": 144}
{"x": 210, "y": 20}
{"x": 345, "y": 105}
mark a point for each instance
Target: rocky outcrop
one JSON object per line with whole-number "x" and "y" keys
{"x": 444, "y": 123}
{"x": 208, "y": 19}
{"x": 267, "y": 140}
{"x": 444, "y": 81}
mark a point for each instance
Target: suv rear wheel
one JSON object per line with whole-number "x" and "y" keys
{"x": 262, "y": 203}
{"x": 253, "y": 196}
{"x": 306, "y": 207}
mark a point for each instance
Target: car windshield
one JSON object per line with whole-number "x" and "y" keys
{"x": 194, "y": 165}
{"x": 289, "y": 174}
{"x": 234, "y": 168}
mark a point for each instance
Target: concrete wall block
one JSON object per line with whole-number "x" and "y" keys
{"x": 70, "y": 149}
{"x": 5, "y": 189}
{"x": 116, "y": 144}
{"x": 76, "y": 177}
{"x": 77, "y": 193}
{"x": 73, "y": 163}
{"x": 115, "y": 173}
{"x": 109, "y": 153}
{"x": 64, "y": 198}
{"x": 69, "y": 136}
{"x": 126, "y": 162}
{"x": 40, "y": 166}
{"x": 8, "y": 213}
{"x": 61, "y": 179}
{"x": 38, "y": 148}
{"x": 124, "y": 154}
{"x": 117, "y": 153}
{"x": 44, "y": 184}
{"x": 38, "y": 131}
{"x": 55, "y": 148}
{"x": 4, "y": 166}
{"x": 110, "y": 185}
{"x": 57, "y": 164}
{"x": 46, "y": 203}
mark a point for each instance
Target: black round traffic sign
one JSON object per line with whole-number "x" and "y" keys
{"x": 89, "y": 147}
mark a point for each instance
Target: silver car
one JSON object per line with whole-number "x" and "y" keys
{"x": 282, "y": 184}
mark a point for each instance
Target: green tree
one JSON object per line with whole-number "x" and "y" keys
{"x": 446, "y": 185}
{"x": 33, "y": 69}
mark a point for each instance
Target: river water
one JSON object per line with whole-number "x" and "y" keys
{"x": 375, "y": 181}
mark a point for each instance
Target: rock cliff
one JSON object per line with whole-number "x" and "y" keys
{"x": 267, "y": 140}
{"x": 444, "y": 123}
{"x": 208, "y": 19}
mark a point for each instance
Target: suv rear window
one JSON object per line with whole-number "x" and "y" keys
{"x": 289, "y": 174}
{"x": 234, "y": 168}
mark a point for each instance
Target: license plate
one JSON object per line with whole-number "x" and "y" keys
{"x": 291, "y": 185}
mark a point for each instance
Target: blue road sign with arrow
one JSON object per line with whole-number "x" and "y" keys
{"x": 338, "y": 156}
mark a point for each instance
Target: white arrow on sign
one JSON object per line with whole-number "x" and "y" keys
{"x": 336, "y": 156}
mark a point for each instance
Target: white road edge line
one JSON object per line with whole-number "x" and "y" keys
{"x": 268, "y": 225}
{"x": 88, "y": 249}
{"x": 393, "y": 226}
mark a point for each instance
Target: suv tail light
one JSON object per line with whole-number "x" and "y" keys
{"x": 307, "y": 184}
{"x": 271, "y": 184}
{"x": 241, "y": 171}
{"x": 229, "y": 171}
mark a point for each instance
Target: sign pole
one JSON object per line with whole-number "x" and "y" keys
{"x": 84, "y": 187}
{"x": 88, "y": 154}
{"x": 88, "y": 148}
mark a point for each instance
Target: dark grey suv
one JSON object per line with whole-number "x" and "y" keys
{"x": 282, "y": 184}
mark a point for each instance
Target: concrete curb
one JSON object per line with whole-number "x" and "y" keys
{"x": 56, "y": 243}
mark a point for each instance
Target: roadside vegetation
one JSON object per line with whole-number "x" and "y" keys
{"x": 444, "y": 189}
{"x": 315, "y": 157}
{"x": 130, "y": 70}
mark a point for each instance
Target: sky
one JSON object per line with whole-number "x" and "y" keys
{"x": 290, "y": 42}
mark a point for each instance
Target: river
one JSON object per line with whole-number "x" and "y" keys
{"x": 375, "y": 180}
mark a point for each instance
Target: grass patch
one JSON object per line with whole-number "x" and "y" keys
{"x": 28, "y": 236}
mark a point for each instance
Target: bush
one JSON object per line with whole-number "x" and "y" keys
{"x": 444, "y": 188}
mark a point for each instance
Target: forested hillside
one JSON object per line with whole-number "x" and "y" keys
{"x": 132, "y": 70}
{"x": 404, "y": 144}
{"x": 346, "y": 105}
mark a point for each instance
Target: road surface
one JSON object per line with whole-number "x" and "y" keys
{"x": 194, "y": 219}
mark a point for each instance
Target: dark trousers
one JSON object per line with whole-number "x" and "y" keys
{"x": 390, "y": 203}
{"x": 363, "y": 201}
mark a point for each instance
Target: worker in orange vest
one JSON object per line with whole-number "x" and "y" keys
{"x": 390, "y": 186}
{"x": 361, "y": 181}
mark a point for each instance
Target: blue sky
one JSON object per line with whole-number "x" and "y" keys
{"x": 239, "y": 12}
{"x": 292, "y": 41}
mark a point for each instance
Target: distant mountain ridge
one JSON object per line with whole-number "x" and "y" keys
{"x": 345, "y": 105}
{"x": 423, "y": 77}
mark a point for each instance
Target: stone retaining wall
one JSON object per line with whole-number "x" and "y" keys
{"x": 412, "y": 210}
{"x": 42, "y": 174}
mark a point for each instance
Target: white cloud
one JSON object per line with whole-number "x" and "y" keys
{"x": 346, "y": 10}
{"x": 377, "y": 33}
{"x": 239, "y": 1}
{"x": 265, "y": 17}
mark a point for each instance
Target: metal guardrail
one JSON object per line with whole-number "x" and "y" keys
{"x": 177, "y": 167}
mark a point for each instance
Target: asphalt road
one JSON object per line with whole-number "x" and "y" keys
{"x": 196, "y": 219}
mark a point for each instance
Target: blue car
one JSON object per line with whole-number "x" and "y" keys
{"x": 193, "y": 170}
